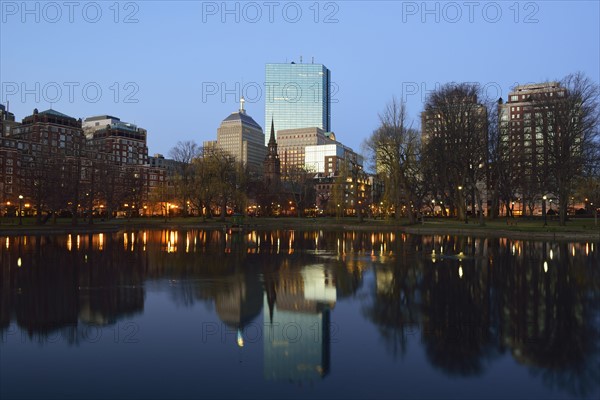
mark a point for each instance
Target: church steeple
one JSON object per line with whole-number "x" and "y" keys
{"x": 272, "y": 165}
{"x": 272, "y": 142}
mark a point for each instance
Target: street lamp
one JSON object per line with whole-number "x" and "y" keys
{"x": 544, "y": 209}
{"x": 20, "y": 209}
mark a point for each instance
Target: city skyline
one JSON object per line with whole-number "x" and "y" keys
{"x": 366, "y": 74}
{"x": 299, "y": 199}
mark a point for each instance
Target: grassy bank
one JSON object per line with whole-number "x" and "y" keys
{"x": 579, "y": 228}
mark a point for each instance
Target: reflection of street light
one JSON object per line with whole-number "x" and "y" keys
{"x": 20, "y": 209}
{"x": 544, "y": 209}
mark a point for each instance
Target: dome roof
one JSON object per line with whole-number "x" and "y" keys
{"x": 243, "y": 118}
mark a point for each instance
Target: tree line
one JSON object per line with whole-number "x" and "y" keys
{"x": 465, "y": 154}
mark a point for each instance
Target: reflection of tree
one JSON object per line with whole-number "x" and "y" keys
{"x": 47, "y": 291}
{"x": 482, "y": 295}
{"x": 456, "y": 318}
{"x": 6, "y": 260}
{"x": 65, "y": 280}
{"x": 498, "y": 295}
{"x": 111, "y": 286}
{"x": 549, "y": 316}
{"x": 394, "y": 308}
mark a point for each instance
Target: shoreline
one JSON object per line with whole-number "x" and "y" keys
{"x": 492, "y": 229}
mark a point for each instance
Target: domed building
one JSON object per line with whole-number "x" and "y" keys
{"x": 242, "y": 137}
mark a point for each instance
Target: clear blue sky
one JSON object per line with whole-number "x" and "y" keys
{"x": 173, "y": 53}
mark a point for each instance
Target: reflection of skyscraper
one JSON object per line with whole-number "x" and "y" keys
{"x": 237, "y": 300}
{"x": 296, "y": 336}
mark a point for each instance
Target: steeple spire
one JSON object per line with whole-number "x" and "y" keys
{"x": 272, "y": 137}
{"x": 272, "y": 165}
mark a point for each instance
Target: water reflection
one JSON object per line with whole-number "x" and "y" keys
{"x": 60, "y": 282}
{"x": 469, "y": 301}
{"x": 296, "y": 337}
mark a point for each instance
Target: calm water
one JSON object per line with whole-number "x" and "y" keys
{"x": 192, "y": 314}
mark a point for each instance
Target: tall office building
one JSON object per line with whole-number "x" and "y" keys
{"x": 298, "y": 96}
{"x": 243, "y": 138}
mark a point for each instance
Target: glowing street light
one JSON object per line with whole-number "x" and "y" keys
{"x": 20, "y": 209}
{"x": 544, "y": 198}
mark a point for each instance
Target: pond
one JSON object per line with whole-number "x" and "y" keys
{"x": 288, "y": 314}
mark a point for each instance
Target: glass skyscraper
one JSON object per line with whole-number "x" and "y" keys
{"x": 298, "y": 96}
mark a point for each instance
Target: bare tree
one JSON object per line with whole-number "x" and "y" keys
{"x": 133, "y": 195}
{"x": 455, "y": 125}
{"x": 572, "y": 135}
{"x": 228, "y": 179}
{"x": 43, "y": 184}
{"x": 503, "y": 177}
{"x": 301, "y": 185}
{"x": 110, "y": 187}
{"x": 336, "y": 201}
{"x": 202, "y": 179}
{"x": 394, "y": 148}
{"x": 184, "y": 153}
{"x": 587, "y": 189}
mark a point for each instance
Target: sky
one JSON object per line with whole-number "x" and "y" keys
{"x": 178, "y": 69}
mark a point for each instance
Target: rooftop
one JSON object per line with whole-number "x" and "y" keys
{"x": 100, "y": 117}
{"x": 534, "y": 86}
{"x": 55, "y": 114}
{"x": 243, "y": 118}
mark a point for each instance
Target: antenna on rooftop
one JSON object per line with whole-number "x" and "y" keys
{"x": 313, "y": 60}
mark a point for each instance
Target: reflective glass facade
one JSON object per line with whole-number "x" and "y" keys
{"x": 297, "y": 96}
